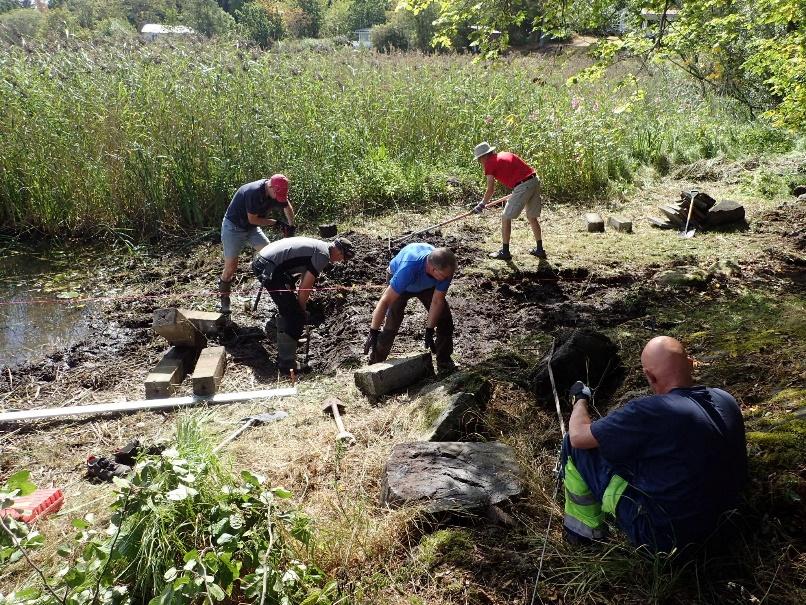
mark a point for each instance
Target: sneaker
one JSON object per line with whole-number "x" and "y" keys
{"x": 501, "y": 255}
{"x": 538, "y": 252}
{"x": 104, "y": 468}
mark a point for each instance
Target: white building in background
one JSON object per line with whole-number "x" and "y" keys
{"x": 152, "y": 31}
{"x": 363, "y": 40}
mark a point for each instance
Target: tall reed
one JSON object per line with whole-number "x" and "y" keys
{"x": 151, "y": 137}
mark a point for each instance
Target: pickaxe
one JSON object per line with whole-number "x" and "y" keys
{"x": 334, "y": 407}
{"x": 489, "y": 204}
{"x": 253, "y": 421}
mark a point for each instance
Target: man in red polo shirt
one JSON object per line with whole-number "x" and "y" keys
{"x": 512, "y": 172}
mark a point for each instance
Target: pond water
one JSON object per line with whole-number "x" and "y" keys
{"x": 41, "y": 304}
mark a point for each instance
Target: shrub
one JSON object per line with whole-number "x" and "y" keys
{"x": 20, "y": 26}
{"x": 390, "y": 36}
{"x": 263, "y": 24}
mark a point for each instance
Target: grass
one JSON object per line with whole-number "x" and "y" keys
{"x": 136, "y": 140}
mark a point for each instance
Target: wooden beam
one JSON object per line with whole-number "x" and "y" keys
{"x": 209, "y": 370}
{"x": 145, "y": 404}
{"x": 168, "y": 374}
{"x": 177, "y": 329}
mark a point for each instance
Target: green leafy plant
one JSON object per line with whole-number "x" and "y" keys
{"x": 185, "y": 531}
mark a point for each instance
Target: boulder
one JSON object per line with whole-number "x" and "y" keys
{"x": 802, "y": 197}
{"x": 681, "y": 277}
{"x": 799, "y": 190}
{"x": 451, "y": 476}
{"x": 724, "y": 213}
{"x": 724, "y": 268}
{"x": 578, "y": 355}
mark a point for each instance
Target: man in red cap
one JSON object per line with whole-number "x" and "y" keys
{"x": 512, "y": 172}
{"x": 246, "y": 214}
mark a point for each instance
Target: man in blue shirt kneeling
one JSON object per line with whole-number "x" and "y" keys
{"x": 667, "y": 466}
{"x": 422, "y": 271}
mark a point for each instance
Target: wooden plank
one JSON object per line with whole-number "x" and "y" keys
{"x": 594, "y": 222}
{"x": 168, "y": 374}
{"x": 176, "y": 329}
{"x": 209, "y": 370}
{"x": 206, "y": 322}
{"x": 144, "y": 404}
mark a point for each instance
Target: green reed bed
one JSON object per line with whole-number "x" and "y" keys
{"x": 155, "y": 137}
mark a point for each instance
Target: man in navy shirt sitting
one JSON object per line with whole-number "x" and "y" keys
{"x": 422, "y": 271}
{"x": 667, "y": 466}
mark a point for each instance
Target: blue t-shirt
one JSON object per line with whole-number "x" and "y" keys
{"x": 684, "y": 457}
{"x": 250, "y": 199}
{"x": 408, "y": 270}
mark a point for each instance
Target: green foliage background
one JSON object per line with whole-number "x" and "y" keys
{"x": 145, "y": 137}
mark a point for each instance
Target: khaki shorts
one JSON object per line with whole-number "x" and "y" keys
{"x": 525, "y": 195}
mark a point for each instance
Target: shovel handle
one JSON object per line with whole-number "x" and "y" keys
{"x": 234, "y": 435}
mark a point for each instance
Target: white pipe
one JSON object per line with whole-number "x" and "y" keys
{"x": 145, "y": 404}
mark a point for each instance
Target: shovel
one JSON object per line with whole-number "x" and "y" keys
{"x": 685, "y": 233}
{"x": 252, "y": 421}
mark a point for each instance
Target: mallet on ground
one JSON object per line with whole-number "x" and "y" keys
{"x": 334, "y": 407}
{"x": 252, "y": 421}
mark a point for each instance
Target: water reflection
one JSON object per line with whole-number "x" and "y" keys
{"x": 40, "y": 306}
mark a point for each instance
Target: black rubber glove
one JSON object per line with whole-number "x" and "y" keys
{"x": 289, "y": 230}
{"x": 478, "y": 208}
{"x": 579, "y": 390}
{"x": 372, "y": 341}
{"x": 429, "y": 340}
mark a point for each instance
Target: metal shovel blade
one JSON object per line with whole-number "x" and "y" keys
{"x": 687, "y": 234}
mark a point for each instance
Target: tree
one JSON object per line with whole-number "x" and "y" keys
{"x": 753, "y": 50}
{"x": 366, "y": 13}
{"x": 7, "y": 5}
{"x": 207, "y": 17}
{"x": 261, "y": 23}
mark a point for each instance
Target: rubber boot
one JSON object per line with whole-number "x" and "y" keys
{"x": 286, "y": 348}
{"x": 224, "y": 289}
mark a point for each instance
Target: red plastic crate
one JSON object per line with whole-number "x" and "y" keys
{"x": 39, "y": 504}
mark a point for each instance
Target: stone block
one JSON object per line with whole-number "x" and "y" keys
{"x": 206, "y": 322}
{"x": 382, "y": 378}
{"x": 457, "y": 421}
{"x": 451, "y": 476}
{"x": 725, "y": 213}
{"x": 660, "y": 223}
{"x": 172, "y": 325}
{"x": 164, "y": 378}
{"x": 619, "y": 224}
{"x": 329, "y": 230}
{"x": 594, "y": 222}
{"x": 681, "y": 277}
{"x": 673, "y": 214}
{"x": 209, "y": 370}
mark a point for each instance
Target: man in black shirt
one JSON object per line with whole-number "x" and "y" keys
{"x": 246, "y": 214}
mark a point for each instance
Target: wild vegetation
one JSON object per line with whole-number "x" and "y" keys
{"x": 142, "y": 138}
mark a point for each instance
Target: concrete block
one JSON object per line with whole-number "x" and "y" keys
{"x": 206, "y": 322}
{"x": 619, "y": 224}
{"x": 594, "y": 222}
{"x": 165, "y": 377}
{"x": 393, "y": 374}
{"x": 172, "y": 325}
{"x": 209, "y": 370}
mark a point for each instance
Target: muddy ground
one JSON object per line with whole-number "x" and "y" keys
{"x": 504, "y": 314}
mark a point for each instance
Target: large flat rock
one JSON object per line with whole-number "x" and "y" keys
{"x": 451, "y": 476}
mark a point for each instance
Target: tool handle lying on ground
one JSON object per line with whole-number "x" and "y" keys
{"x": 331, "y": 406}
{"x": 451, "y": 220}
{"x": 234, "y": 435}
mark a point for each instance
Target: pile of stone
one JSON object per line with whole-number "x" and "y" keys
{"x": 707, "y": 212}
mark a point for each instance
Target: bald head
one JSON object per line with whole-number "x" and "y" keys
{"x": 666, "y": 364}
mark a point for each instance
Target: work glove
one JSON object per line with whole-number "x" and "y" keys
{"x": 479, "y": 208}
{"x": 286, "y": 229}
{"x": 579, "y": 390}
{"x": 372, "y": 341}
{"x": 429, "y": 340}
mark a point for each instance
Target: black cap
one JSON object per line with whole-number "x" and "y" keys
{"x": 346, "y": 247}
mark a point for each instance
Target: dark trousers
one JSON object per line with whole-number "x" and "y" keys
{"x": 394, "y": 317}
{"x": 282, "y": 293}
